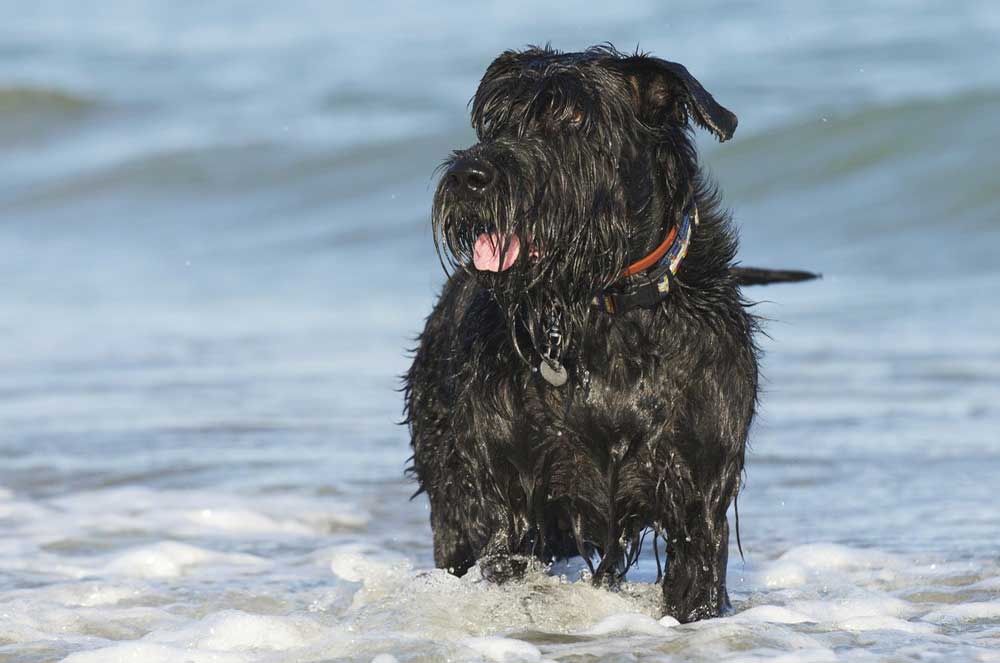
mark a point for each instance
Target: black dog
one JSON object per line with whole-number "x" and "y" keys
{"x": 589, "y": 373}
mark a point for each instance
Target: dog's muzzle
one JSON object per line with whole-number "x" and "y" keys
{"x": 471, "y": 179}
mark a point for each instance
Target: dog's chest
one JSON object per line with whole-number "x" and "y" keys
{"x": 603, "y": 399}
{"x": 640, "y": 380}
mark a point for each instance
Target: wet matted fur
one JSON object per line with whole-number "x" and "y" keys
{"x": 588, "y": 159}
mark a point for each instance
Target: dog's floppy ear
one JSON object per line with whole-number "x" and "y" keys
{"x": 663, "y": 87}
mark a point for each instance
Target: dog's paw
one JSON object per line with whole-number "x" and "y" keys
{"x": 504, "y": 568}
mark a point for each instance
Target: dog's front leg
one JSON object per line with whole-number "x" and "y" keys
{"x": 694, "y": 586}
{"x": 452, "y": 551}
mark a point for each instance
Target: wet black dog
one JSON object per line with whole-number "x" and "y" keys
{"x": 589, "y": 373}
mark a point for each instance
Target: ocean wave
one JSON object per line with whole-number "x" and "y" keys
{"x": 29, "y": 115}
{"x": 29, "y": 100}
{"x": 882, "y": 141}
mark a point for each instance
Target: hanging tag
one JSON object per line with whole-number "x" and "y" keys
{"x": 554, "y": 376}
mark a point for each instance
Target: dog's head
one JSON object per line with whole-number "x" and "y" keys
{"x": 584, "y": 161}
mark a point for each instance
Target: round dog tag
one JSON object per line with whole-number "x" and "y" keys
{"x": 554, "y": 376}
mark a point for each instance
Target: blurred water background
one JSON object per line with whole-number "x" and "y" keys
{"x": 215, "y": 248}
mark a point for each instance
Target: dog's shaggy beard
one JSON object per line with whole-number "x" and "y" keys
{"x": 572, "y": 220}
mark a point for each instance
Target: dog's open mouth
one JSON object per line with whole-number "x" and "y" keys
{"x": 493, "y": 253}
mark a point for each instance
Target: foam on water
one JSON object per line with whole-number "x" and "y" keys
{"x": 170, "y": 600}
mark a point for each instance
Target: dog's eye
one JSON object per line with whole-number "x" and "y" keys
{"x": 576, "y": 120}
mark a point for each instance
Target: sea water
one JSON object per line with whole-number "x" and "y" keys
{"x": 215, "y": 252}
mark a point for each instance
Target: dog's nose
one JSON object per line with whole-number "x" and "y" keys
{"x": 472, "y": 175}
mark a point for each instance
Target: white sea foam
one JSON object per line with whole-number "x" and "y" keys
{"x": 883, "y": 623}
{"x": 773, "y": 614}
{"x": 359, "y": 601}
{"x": 233, "y": 630}
{"x": 631, "y": 623}
{"x": 504, "y": 650}
{"x": 150, "y": 652}
{"x": 169, "y": 559}
{"x": 197, "y": 512}
{"x": 317, "y": 598}
{"x": 965, "y": 612}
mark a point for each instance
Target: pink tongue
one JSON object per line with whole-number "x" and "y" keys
{"x": 486, "y": 254}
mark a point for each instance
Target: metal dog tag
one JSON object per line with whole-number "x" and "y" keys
{"x": 554, "y": 376}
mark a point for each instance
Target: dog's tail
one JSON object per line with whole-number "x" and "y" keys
{"x": 759, "y": 276}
